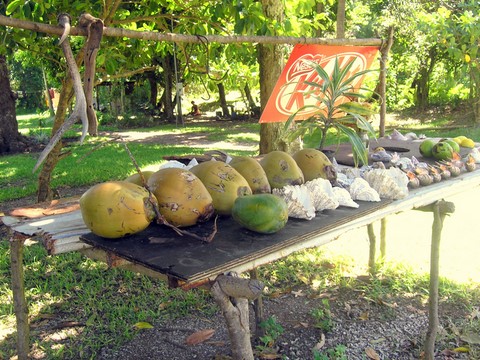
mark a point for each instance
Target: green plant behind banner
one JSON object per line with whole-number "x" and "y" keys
{"x": 347, "y": 118}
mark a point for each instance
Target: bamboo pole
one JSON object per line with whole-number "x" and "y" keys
{"x": 182, "y": 38}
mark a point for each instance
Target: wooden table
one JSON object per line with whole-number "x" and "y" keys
{"x": 186, "y": 262}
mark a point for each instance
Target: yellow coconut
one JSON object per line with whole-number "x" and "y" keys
{"x": 253, "y": 172}
{"x": 117, "y": 208}
{"x": 315, "y": 164}
{"x": 182, "y": 198}
{"x": 281, "y": 169}
{"x": 223, "y": 182}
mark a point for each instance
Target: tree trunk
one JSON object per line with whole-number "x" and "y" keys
{"x": 248, "y": 95}
{"x": 153, "y": 89}
{"x": 45, "y": 193}
{"x": 10, "y": 138}
{"x": 168, "y": 77}
{"x": 422, "y": 81}
{"x": 341, "y": 19}
{"x": 270, "y": 58}
{"x": 223, "y": 99}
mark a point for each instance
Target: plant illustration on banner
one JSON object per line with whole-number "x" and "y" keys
{"x": 336, "y": 107}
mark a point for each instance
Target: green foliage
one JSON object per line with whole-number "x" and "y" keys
{"x": 337, "y": 353}
{"x": 105, "y": 306}
{"x": 335, "y": 109}
{"x": 273, "y": 330}
{"x": 322, "y": 317}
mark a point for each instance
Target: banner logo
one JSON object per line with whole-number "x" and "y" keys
{"x": 291, "y": 93}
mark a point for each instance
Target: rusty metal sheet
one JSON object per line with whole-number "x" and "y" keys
{"x": 163, "y": 250}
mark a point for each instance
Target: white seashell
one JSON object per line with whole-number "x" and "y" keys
{"x": 344, "y": 198}
{"x": 397, "y": 135}
{"x": 475, "y": 154}
{"x": 361, "y": 190}
{"x": 299, "y": 201}
{"x": 390, "y": 183}
{"x": 411, "y": 136}
{"x": 322, "y": 194}
{"x": 172, "y": 164}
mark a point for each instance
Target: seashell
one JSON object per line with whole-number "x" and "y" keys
{"x": 343, "y": 197}
{"x": 444, "y": 172}
{"x": 361, "y": 190}
{"x": 299, "y": 201}
{"x": 397, "y": 135}
{"x": 425, "y": 179}
{"x": 470, "y": 163}
{"x": 403, "y": 163}
{"x": 380, "y": 154}
{"x": 411, "y": 136}
{"x": 389, "y": 183}
{"x": 475, "y": 153}
{"x": 437, "y": 177}
{"x": 413, "y": 181}
{"x": 322, "y": 194}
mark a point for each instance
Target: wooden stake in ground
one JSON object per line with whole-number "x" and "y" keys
{"x": 440, "y": 209}
{"x": 232, "y": 294}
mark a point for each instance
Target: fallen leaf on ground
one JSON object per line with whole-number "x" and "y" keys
{"x": 372, "y": 354}
{"x": 199, "y": 337}
{"x": 471, "y": 338}
{"x": 321, "y": 343}
{"x": 143, "y": 325}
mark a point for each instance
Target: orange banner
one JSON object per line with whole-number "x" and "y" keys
{"x": 288, "y": 95}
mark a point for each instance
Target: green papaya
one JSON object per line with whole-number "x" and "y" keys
{"x": 262, "y": 213}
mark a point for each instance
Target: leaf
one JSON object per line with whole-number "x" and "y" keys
{"x": 199, "y": 337}
{"x": 372, "y": 354}
{"x": 321, "y": 343}
{"x": 143, "y": 325}
{"x": 461, "y": 349}
{"x": 471, "y": 338}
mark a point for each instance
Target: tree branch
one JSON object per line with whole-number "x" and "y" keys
{"x": 181, "y": 38}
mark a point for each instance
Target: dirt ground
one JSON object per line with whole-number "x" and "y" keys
{"x": 391, "y": 329}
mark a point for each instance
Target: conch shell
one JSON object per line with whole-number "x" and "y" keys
{"x": 322, "y": 194}
{"x": 299, "y": 201}
{"x": 344, "y": 198}
{"x": 361, "y": 190}
{"x": 390, "y": 183}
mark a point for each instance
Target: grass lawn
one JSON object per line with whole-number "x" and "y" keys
{"x": 105, "y": 306}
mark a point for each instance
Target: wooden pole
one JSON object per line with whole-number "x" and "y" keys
{"x": 19, "y": 300}
{"x": 385, "y": 49}
{"x": 258, "y": 308}
{"x": 383, "y": 239}
{"x": 440, "y": 210}
{"x": 232, "y": 294}
{"x": 181, "y": 38}
{"x": 372, "y": 249}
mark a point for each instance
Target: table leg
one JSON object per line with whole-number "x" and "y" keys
{"x": 372, "y": 249}
{"x": 440, "y": 210}
{"x": 258, "y": 308}
{"x": 19, "y": 300}
{"x": 383, "y": 239}
{"x": 232, "y": 295}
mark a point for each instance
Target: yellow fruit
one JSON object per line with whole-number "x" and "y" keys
{"x": 253, "y": 172}
{"x": 117, "y": 208}
{"x": 182, "y": 198}
{"x": 315, "y": 164}
{"x": 281, "y": 169}
{"x": 469, "y": 143}
{"x": 459, "y": 139}
{"x": 223, "y": 182}
{"x": 137, "y": 179}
